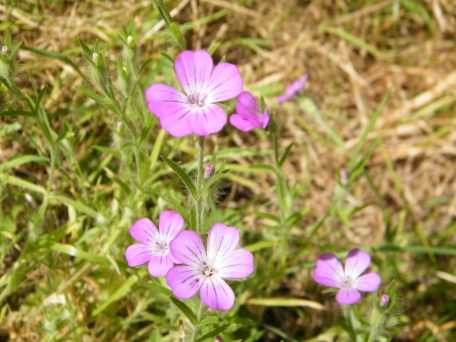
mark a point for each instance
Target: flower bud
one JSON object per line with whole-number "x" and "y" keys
{"x": 384, "y": 300}
{"x": 209, "y": 170}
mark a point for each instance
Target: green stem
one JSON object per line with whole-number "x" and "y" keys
{"x": 199, "y": 208}
{"x": 195, "y": 328}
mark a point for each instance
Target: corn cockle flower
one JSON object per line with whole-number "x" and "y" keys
{"x": 247, "y": 116}
{"x": 205, "y": 271}
{"x": 194, "y": 110}
{"x": 293, "y": 89}
{"x": 349, "y": 279}
{"x": 152, "y": 245}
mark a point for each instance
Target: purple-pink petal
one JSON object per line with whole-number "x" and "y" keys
{"x": 246, "y": 104}
{"x": 207, "y": 120}
{"x": 217, "y": 294}
{"x": 163, "y": 100}
{"x": 143, "y": 230}
{"x": 183, "y": 281}
{"x": 242, "y": 123}
{"x": 193, "y": 70}
{"x": 221, "y": 241}
{"x": 176, "y": 121}
{"x": 138, "y": 254}
{"x": 293, "y": 89}
{"x": 369, "y": 282}
{"x": 159, "y": 265}
{"x": 171, "y": 223}
{"x": 348, "y": 296}
{"x": 225, "y": 83}
{"x": 237, "y": 265}
{"x": 328, "y": 271}
{"x": 187, "y": 248}
{"x": 356, "y": 263}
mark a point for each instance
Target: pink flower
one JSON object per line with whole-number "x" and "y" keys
{"x": 247, "y": 116}
{"x": 293, "y": 89}
{"x": 205, "y": 271}
{"x": 329, "y": 272}
{"x": 194, "y": 111}
{"x": 152, "y": 245}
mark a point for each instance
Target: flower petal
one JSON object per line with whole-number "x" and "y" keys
{"x": 264, "y": 120}
{"x": 187, "y": 248}
{"x": 356, "y": 263}
{"x": 236, "y": 265}
{"x": 246, "y": 104}
{"x": 242, "y": 123}
{"x": 225, "y": 83}
{"x": 207, "y": 120}
{"x": 221, "y": 241}
{"x": 171, "y": 223}
{"x": 159, "y": 265}
{"x": 183, "y": 281}
{"x": 368, "y": 282}
{"x": 348, "y": 296}
{"x": 193, "y": 70}
{"x": 328, "y": 271}
{"x": 217, "y": 294}
{"x": 143, "y": 230}
{"x": 138, "y": 254}
{"x": 163, "y": 100}
{"x": 176, "y": 122}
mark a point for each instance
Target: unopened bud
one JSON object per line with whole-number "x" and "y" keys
{"x": 384, "y": 300}
{"x": 209, "y": 170}
{"x": 95, "y": 57}
{"x": 4, "y": 49}
{"x": 129, "y": 39}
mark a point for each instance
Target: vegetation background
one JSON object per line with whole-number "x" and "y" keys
{"x": 373, "y": 163}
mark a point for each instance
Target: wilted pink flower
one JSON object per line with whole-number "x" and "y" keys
{"x": 293, "y": 89}
{"x": 202, "y": 271}
{"x": 194, "y": 110}
{"x": 152, "y": 245}
{"x": 329, "y": 272}
{"x": 247, "y": 116}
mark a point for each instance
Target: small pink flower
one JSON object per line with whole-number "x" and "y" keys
{"x": 293, "y": 89}
{"x": 152, "y": 245}
{"x": 247, "y": 116}
{"x": 329, "y": 272}
{"x": 194, "y": 110}
{"x": 205, "y": 271}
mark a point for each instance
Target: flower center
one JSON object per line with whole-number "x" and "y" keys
{"x": 347, "y": 282}
{"x": 207, "y": 270}
{"x": 160, "y": 247}
{"x": 197, "y": 100}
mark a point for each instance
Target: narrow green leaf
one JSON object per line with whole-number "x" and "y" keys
{"x": 18, "y": 161}
{"x": 285, "y": 302}
{"x": 121, "y": 292}
{"x": 211, "y": 334}
{"x": 183, "y": 176}
{"x": 185, "y": 310}
{"x": 78, "y": 253}
{"x": 285, "y": 154}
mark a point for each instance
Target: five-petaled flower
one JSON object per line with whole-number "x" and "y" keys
{"x": 199, "y": 270}
{"x": 293, "y": 89}
{"x": 247, "y": 115}
{"x": 349, "y": 279}
{"x": 194, "y": 111}
{"x": 152, "y": 245}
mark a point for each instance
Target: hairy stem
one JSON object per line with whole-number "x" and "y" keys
{"x": 199, "y": 206}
